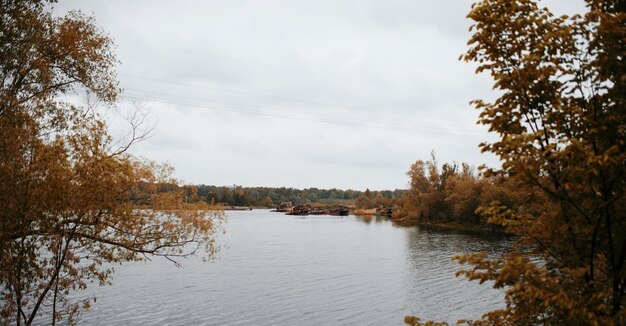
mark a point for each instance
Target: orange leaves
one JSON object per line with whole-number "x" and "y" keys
{"x": 456, "y": 194}
{"x": 416, "y": 321}
{"x": 69, "y": 204}
{"x": 560, "y": 121}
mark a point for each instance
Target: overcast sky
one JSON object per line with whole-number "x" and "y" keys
{"x": 329, "y": 93}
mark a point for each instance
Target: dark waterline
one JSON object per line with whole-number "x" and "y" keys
{"x": 317, "y": 270}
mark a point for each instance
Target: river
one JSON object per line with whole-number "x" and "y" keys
{"x": 275, "y": 269}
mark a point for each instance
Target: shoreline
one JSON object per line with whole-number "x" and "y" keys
{"x": 449, "y": 226}
{"x": 455, "y": 226}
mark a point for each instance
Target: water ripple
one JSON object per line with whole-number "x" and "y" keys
{"x": 281, "y": 270}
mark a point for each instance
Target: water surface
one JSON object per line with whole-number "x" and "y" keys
{"x": 316, "y": 270}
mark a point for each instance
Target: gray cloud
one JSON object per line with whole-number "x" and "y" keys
{"x": 300, "y": 93}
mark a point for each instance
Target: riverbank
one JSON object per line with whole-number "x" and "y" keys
{"x": 361, "y": 211}
{"x": 455, "y": 226}
{"x": 237, "y": 208}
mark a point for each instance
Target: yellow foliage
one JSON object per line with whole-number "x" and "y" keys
{"x": 561, "y": 119}
{"x": 70, "y": 202}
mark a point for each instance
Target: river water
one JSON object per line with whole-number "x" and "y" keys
{"x": 275, "y": 269}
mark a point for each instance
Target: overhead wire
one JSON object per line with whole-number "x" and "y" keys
{"x": 247, "y": 93}
{"x": 281, "y": 67}
{"x": 287, "y": 115}
{"x": 137, "y": 43}
{"x": 228, "y": 106}
{"x": 149, "y": 93}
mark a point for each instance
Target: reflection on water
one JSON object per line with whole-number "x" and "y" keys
{"x": 314, "y": 270}
{"x": 371, "y": 218}
{"x": 434, "y": 287}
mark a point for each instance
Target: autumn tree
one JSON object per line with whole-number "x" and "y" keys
{"x": 363, "y": 202}
{"x": 561, "y": 121}
{"x": 463, "y": 194}
{"x": 67, "y": 193}
{"x": 441, "y": 194}
{"x": 415, "y": 203}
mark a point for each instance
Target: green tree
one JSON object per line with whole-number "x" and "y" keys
{"x": 561, "y": 121}
{"x": 68, "y": 196}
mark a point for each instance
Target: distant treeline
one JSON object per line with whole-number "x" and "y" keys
{"x": 269, "y": 197}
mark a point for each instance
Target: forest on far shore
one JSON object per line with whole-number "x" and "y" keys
{"x": 454, "y": 194}
{"x": 236, "y": 195}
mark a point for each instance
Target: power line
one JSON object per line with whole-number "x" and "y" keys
{"x": 223, "y": 89}
{"x": 385, "y": 126}
{"x": 254, "y": 62}
{"x": 291, "y": 99}
{"x": 148, "y": 93}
